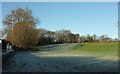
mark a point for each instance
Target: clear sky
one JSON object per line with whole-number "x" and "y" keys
{"x": 79, "y": 17}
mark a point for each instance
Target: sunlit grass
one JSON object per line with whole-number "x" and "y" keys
{"x": 96, "y": 50}
{"x": 97, "y": 47}
{"x": 101, "y": 50}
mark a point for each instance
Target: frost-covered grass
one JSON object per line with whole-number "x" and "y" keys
{"x": 90, "y": 57}
{"x": 96, "y": 50}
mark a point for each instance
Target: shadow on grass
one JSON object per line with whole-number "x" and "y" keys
{"x": 27, "y": 61}
{"x": 78, "y": 46}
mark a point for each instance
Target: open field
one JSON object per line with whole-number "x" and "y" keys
{"x": 92, "y": 57}
{"x": 102, "y": 50}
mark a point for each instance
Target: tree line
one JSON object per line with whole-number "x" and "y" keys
{"x": 21, "y": 29}
{"x": 66, "y": 36}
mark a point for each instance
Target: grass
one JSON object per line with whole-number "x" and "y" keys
{"x": 96, "y": 49}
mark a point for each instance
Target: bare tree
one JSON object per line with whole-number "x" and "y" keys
{"x": 64, "y": 35}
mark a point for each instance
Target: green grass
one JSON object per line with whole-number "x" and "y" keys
{"x": 96, "y": 49}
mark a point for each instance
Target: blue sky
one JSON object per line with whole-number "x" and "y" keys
{"x": 79, "y": 17}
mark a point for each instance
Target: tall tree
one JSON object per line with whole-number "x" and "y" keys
{"x": 21, "y": 28}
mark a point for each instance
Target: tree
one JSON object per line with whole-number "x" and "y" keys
{"x": 47, "y": 37}
{"x": 105, "y": 38}
{"x": 94, "y": 36}
{"x": 89, "y": 38}
{"x": 21, "y": 28}
{"x": 63, "y": 35}
{"x": 42, "y": 37}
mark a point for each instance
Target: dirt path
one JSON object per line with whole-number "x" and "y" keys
{"x": 52, "y": 58}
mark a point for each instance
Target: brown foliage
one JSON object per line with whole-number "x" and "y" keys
{"x": 23, "y": 36}
{"x": 20, "y": 25}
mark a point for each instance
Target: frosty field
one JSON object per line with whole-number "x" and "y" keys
{"x": 85, "y": 57}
